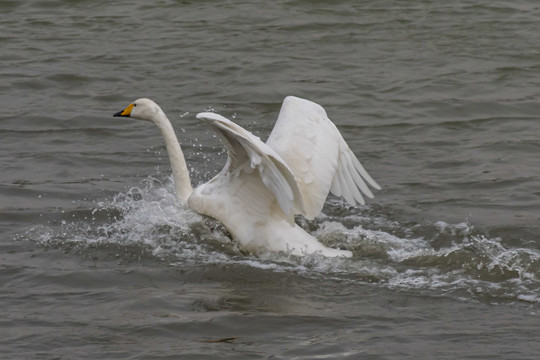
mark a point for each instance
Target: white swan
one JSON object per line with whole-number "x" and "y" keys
{"x": 263, "y": 186}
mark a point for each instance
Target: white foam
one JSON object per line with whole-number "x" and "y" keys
{"x": 150, "y": 217}
{"x": 532, "y": 298}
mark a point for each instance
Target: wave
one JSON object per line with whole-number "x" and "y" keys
{"x": 145, "y": 223}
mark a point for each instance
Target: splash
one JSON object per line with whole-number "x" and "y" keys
{"x": 146, "y": 220}
{"x": 146, "y": 223}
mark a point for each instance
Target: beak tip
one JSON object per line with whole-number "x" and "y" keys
{"x": 126, "y": 112}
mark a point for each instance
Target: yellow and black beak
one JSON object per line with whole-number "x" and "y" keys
{"x": 126, "y": 112}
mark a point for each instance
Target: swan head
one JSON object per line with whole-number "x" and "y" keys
{"x": 141, "y": 109}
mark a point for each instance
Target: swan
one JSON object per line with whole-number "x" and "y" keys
{"x": 263, "y": 185}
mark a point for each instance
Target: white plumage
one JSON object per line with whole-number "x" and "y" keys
{"x": 263, "y": 185}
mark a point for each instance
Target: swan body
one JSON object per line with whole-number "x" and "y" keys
{"x": 263, "y": 185}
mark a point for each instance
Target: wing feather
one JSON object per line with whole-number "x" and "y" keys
{"x": 247, "y": 152}
{"x": 352, "y": 186}
{"x": 358, "y": 178}
{"x": 317, "y": 154}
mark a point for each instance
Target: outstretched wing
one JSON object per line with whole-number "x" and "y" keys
{"x": 247, "y": 153}
{"x": 317, "y": 154}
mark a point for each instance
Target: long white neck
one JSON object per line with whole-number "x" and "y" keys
{"x": 180, "y": 172}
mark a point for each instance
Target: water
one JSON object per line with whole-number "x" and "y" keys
{"x": 438, "y": 100}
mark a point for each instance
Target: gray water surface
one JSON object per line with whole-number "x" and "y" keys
{"x": 439, "y": 101}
